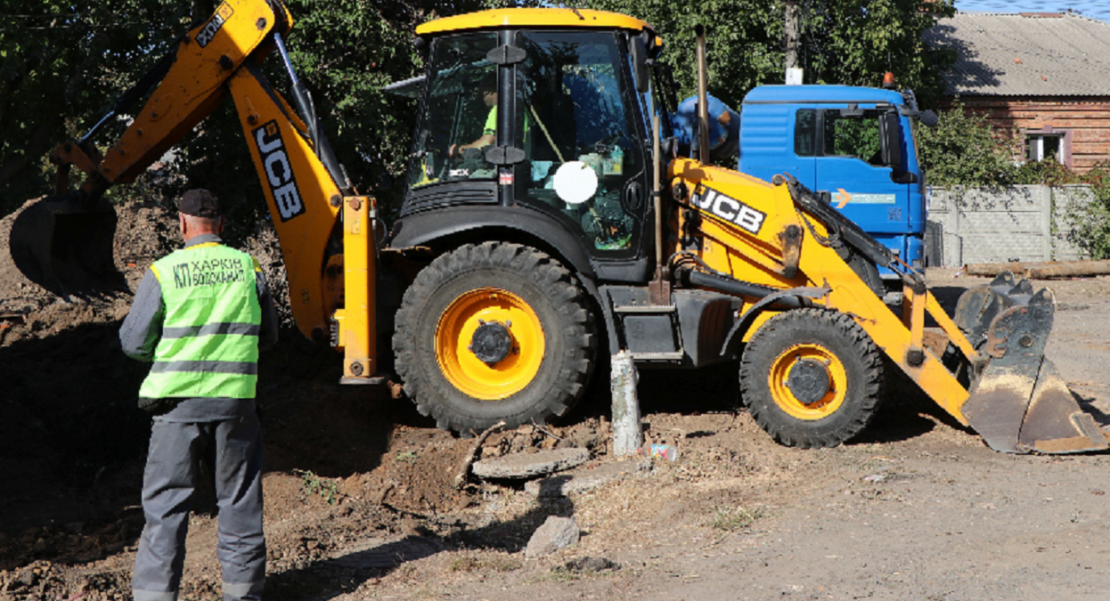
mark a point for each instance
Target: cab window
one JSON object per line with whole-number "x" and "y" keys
{"x": 574, "y": 113}
{"x": 805, "y": 132}
{"x": 853, "y": 136}
{"x": 456, "y": 116}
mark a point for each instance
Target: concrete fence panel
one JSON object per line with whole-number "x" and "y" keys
{"x": 995, "y": 225}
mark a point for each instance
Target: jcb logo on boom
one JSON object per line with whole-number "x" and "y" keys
{"x": 223, "y": 13}
{"x": 729, "y": 209}
{"x": 279, "y": 172}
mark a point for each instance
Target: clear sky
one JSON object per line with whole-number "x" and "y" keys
{"x": 1095, "y": 9}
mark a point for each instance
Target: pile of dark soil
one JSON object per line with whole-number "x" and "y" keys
{"x": 73, "y": 442}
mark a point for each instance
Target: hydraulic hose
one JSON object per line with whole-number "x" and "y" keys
{"x": 737, "y": 287}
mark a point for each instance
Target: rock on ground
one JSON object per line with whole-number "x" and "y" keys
{"x": 530, "y": 465}
{"x": 582, "y": 480}
{"x": 555, "y": 533}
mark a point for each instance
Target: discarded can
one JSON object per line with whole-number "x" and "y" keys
{"x": 667, "y": 452}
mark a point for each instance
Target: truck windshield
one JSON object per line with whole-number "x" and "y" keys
{"x": 459, "y": 115}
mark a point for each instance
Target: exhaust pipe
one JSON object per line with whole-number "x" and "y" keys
{"x": 703, "y": 97}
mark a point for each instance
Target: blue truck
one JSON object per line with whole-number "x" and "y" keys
{"x": 854, "y": 146}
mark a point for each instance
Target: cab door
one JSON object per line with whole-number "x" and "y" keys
{"x": 578, "y": 124}
{"x": 861, "y": 169}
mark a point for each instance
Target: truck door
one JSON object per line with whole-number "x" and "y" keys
{"x": 777, "y": 137}
{"x": 860, "y": 166}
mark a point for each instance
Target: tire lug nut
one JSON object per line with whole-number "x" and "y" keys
{"x": 508, "y": 323}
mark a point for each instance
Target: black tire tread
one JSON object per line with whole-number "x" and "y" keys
{"x": 430, "y": 390}
{"x": 857, "y": 411}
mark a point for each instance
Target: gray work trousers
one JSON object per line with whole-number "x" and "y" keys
{"x": 168, "y": 484}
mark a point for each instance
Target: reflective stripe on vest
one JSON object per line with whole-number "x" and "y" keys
{"x": 209, "y": 342}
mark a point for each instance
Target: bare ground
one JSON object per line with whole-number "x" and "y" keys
{"x": 360, "y": 502}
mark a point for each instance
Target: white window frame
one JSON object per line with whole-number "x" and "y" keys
{"x": 1034, "y": 144}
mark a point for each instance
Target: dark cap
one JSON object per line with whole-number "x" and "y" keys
{"x": 200, "y": 203}
{"x": 488, "y": 83}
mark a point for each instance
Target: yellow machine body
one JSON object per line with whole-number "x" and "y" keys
{"x": 501, "y": 347}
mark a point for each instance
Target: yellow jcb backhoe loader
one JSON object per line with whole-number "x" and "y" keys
{"x": 578, "y": 230}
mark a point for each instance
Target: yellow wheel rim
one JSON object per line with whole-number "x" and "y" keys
{"x": 784, "y": 397}
{"x": 461, "y": 366}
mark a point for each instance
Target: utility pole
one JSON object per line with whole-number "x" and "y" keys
{"x": 792, "y": 36}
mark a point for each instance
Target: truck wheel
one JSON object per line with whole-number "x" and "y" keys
{"x": 493, "y": 332}
{"x": 811, "y": 378}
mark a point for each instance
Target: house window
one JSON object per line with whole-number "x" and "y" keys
{"x": 1040, "y": 147}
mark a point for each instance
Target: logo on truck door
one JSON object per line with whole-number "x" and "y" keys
{"x": 223, "y": 13}
{"x": 279, "y": 173}
{"x": 729, "y": 209}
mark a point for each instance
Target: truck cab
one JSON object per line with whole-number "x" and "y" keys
{"x": 854, "y": 146}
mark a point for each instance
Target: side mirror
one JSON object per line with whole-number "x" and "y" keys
{"x": 929, "y": 119}
{"x": 890, "y": 134}
{"x": 638, "y": 49}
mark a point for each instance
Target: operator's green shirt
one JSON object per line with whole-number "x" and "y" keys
{"x": 491, "y": 123}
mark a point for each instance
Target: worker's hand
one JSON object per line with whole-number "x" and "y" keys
{"x": 451, "y": 150}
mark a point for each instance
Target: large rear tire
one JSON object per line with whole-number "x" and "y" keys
{"x": 811, "y": 378}
{"x": 494, "y": 332}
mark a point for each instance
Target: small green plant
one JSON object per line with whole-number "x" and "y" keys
{"x": 1089, "y": 223}
{"x": 407, "y": 456}
{"x": 562, "y": 574}
{"x": 313, "y": 484}
{"x": 735, "y": 519}
{"x": 471, "y": 563}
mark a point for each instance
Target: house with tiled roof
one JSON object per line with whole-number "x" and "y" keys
{"x": 1041, "y": 77}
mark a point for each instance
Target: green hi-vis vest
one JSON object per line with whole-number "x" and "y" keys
{"x": 209, "y": 343}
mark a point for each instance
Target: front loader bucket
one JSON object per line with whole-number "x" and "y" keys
{"x": 64, "y": 244}
{"x": 1019, "y": 403}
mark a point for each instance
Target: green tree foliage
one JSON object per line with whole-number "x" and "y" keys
{"x": 63, "y": 64}
{"x": 849, "y": 42}
{"x": 1089, "y": 224}
{"x": 963, "y": 150}
{"x": 854, "y": 42}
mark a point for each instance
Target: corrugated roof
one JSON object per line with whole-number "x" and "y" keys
{"x": 1025, "y": 54}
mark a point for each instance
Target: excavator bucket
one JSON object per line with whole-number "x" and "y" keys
{"x": 64, "y": 244}
{"x": 1019, "y": 403}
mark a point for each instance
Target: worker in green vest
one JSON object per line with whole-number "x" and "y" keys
{"x": 487, "y": 90}
{"x": 201, "y": 314}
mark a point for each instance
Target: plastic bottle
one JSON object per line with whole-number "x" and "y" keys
{"x": 666, "y": 452}
{"x": 618, "y": 161}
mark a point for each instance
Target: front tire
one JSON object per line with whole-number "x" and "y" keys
{"x": 494, "y": 332}
{"x": 811, "y": 378}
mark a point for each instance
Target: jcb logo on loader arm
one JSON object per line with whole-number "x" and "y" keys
{"x": 223, "y": 13}
{"x": 271, "y": 150}
{"x": 729, "y": 209}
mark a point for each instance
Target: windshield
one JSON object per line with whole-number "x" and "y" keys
{"x": 459, "y": 115}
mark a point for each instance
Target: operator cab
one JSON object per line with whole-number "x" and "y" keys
{"x": 568, "y": 126}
